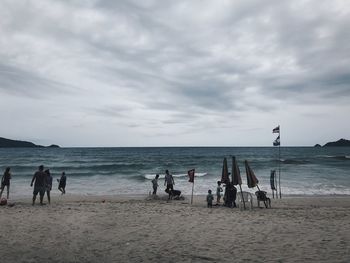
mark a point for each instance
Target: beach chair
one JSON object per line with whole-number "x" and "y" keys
{"x": 261, "y": 197}
{"x": 248, "y": 200}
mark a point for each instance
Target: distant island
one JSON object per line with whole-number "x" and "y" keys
{"x": 7, "y": 143}
{"x": 339, "y": 143}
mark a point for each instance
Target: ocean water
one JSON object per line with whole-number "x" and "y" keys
{"x": 110, "y": 171}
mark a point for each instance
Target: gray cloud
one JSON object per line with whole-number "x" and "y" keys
{"x": 140, "y": 66}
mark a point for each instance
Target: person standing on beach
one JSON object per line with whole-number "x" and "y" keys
{"x": 218, "y": 193}
{"x": 155, "y": 184}
{"x": 48, "y": 184}
{"x": 5, "y": 181}
{"x": 210, "y": 199}
{"x": 39, "y": 185}
{"x": 62, "y": 183}
{"x": 169, "y": 182}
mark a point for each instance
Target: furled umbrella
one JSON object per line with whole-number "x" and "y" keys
{"x": 225, "y": 179}
{"x": 224, "y": 176}
{"x": 252, "y": 181}
{"x": 236, "y": 177}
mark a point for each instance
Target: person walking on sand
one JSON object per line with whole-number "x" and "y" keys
{"x": 169, "y": 182}
{"x": 62, "y": 183}
{"x": 5, "y": 181}
{"x": 48, "y": 184}
{"x": 155, "y": 184}
{"x": 210, "y": 199}
{"x": 39, "y": 185}
{"x": 218, "y": 193}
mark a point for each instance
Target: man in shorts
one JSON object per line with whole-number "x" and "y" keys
{"x": 169, "y": 182}
{"x": 39, "y": 185}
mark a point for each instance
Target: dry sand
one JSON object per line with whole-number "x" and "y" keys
{"x": 133, "y": 229}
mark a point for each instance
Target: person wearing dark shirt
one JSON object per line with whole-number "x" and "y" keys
{"x": 169, "y": 182}
{"x": 210, "y": 199}
{"x": 40, "y": 184}
{"x": 48, "y": 184}
{"x": 62, "y": 183}
{"x": 5, "y": 181}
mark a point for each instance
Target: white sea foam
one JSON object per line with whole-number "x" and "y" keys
{"x": 161, "y": 176}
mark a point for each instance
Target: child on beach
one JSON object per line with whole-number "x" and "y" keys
{"x": 218, "y": 193}
{"x": 155, "y": 184}
{"x": 210, "y": 199}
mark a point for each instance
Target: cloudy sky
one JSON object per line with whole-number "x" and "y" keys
{"x": 174, "y": 73}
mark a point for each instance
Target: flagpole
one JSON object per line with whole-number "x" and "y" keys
{"x": 276, "y": 186}
{"x": 279, "y": 163}
{"x": 192, "y": 193}
{"x": 273, "y": 193}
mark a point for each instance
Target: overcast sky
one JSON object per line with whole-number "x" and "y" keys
{"x": 174, "y": 73}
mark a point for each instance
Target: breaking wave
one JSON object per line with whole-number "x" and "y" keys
{"x": 151, "y": 176}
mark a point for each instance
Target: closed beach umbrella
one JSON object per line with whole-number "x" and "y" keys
{"x": 236, "y": 174}
{"x": 224, "y": 177}
{"x": 251, "y": 178}
{"x": 236, "y": 177}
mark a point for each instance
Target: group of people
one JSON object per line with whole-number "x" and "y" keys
{"x": 42, "y": 181}
{"x": 43, "y": 184}
{"x": 169, "y": 183}
{"x": 229, "y": 195}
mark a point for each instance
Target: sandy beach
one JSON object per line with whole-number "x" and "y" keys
{"x": 135, "y": 229}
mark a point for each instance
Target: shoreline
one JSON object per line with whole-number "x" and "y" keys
{"x": 144, "y": 196}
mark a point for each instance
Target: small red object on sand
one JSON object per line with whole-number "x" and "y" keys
{"x": 3, "y": 201}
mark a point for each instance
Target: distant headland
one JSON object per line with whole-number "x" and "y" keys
{"x": 7, "y": 143}
{"x": 339, "y": 143}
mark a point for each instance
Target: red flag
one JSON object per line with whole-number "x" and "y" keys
{"x": 191, "y": 176}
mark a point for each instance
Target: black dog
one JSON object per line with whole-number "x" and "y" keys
{"x": 174, "y": 194}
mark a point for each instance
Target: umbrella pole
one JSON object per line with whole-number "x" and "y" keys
{"x": 279, "y": 163}
{"x": 240, "y": 187}
{"x": 279, "y": 172}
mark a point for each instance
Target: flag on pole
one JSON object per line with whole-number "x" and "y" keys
{"x": 191, "y": 176}
{"x": 277, "y": 141}
{"x": 276, "y": 130}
